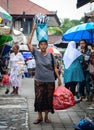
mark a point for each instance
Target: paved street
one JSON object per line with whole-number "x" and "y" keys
{"x": 17, "y": 112}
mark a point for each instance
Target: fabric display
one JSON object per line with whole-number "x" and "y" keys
{"x": 41, "y": 22}
{"x": 63, "y": 98}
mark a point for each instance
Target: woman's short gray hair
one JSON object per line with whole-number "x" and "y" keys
{"x": 17, "y": 46}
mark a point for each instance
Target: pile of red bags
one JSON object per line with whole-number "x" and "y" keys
{"x": 63, "y": 98}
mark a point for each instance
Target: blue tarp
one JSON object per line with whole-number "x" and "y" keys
{"x": 4, "y": 50}
{"x": 27, "y": 55}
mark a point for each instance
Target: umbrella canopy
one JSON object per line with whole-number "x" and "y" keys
{"x": 4, "y": 15}
{"x": 53, "y": 50}
{"x": 82, "y": 31}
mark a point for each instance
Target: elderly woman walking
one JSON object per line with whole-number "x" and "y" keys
{"x": 16, "y": 66}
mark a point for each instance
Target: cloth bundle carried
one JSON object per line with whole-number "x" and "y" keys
{"x": 41, "y": 22}
{"x": 63, "y": 98}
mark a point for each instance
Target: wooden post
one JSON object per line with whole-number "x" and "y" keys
{"x": 8, "y": 6}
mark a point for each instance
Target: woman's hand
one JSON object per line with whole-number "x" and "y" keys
{"x": 58, "y": 76}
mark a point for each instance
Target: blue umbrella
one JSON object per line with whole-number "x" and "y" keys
{"x": 82, "y": 31}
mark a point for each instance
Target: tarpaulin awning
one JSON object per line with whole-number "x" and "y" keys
{"x": 4, "y": 15}
{"x": 27, "y": 55}
{"x": 4, "y": 39}
{"x": 4, "y": 50}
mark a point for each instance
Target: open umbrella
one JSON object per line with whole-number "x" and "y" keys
{"x": 82, "y": 31}
{"x": 4, "y": 15}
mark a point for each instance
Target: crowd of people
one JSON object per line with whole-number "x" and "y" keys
{"x": 78, "y": 69}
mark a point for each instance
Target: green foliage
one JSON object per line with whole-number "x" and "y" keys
{"x": 65, "y": 25}
{"x": 55, "y": 30}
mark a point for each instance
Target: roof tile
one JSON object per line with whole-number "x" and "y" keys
{"x": 20, "y": 6}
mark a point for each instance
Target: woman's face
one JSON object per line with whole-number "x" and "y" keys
{"x": 43, "y": 46}
{"x": 82, "y": 44}
{"x": 15, "y": 50}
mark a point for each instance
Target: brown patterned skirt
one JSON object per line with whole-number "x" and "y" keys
{"x": 44, "y": 96}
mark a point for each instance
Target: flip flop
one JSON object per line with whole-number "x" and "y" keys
{"x": 47, "y": 121}
{"x": 37, "y": 121}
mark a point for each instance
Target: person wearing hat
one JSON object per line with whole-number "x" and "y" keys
{"x": 44, "y": 80}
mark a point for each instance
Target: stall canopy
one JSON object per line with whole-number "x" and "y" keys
{"x": 4, "y": 16}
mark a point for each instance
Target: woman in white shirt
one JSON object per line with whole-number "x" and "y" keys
{"x": 16, "y": 66}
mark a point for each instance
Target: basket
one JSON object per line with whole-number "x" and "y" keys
{"x": 4, "y": 30}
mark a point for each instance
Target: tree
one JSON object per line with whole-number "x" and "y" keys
{"x": 65, "y": 25}
{"x": 55, "y": 30}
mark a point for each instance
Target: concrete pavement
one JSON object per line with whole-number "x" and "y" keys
{"x": 17, "y": 112}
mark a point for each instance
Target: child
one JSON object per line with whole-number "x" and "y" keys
{"x": 6, "y": 82}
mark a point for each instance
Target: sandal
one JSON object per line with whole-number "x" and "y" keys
{"x": 37, "y": 121}
{"x": 86, "y": 99}
{"x": 47, "y": 121}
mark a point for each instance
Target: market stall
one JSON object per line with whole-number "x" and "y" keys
{"x": 5, "y": 38}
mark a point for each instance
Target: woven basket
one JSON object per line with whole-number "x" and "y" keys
{"x": 4, "y": 30}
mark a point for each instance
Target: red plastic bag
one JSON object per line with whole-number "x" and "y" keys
{"x": 63, "y": 98}
{"x": 5, "y": 80}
